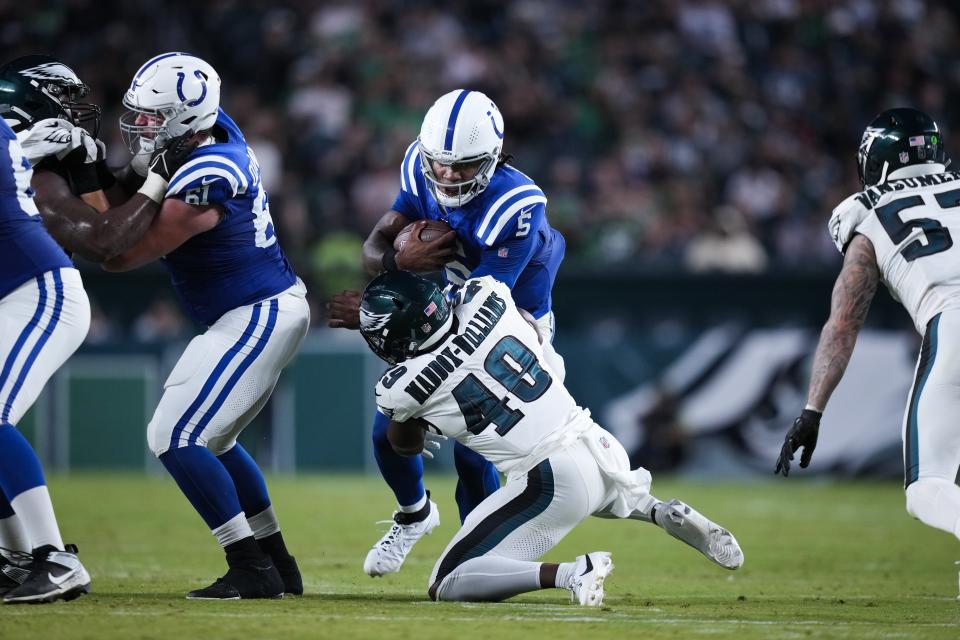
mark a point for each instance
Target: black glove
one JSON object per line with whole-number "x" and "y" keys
{"x": 165, "y": 162}
{"x": 803, "y": 433}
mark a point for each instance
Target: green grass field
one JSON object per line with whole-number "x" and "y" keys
{"x": 842, "y": 561}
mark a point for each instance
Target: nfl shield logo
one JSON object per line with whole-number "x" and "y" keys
{"x": 604, "y": 442}
{"x": 904, "y": 157}
{"x": 503, "y": 252}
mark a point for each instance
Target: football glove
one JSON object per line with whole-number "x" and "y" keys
{"x": 431, "y": 440}
{"x": 172, "y": 156}
{"x": 803, "y": 433}
{"x": 61, "y": 139}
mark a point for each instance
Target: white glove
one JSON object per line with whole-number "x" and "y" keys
{"x": 431, "y": 440}
{"x": 55, "y": 137}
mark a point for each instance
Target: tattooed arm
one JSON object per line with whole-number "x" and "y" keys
{"x": 852, "y": 294}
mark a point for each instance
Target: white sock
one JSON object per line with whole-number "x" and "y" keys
{"x": 13, "y": 535}
{"x": 565, "y": 574}
{"x": 234, "y": 529}
{"x": 35, "y": 510}
{"x": 416, "y": 506}
{"x": 264, "y": 523}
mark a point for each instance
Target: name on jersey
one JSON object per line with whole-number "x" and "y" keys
{"x": 446, "y": 362}
{"x": 871, "y": 196}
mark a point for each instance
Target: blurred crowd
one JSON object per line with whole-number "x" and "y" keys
{"x": 682, "y": 134}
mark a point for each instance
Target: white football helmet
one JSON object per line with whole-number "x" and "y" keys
{"x": 462, "y": 127}
{"x": 171, "y": 94}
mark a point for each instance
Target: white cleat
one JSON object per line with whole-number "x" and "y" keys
{"x": 391, "y": 550}
{"x": 685, "y": 523}
{"x": 586, "y": 585}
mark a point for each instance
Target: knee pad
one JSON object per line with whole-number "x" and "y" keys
{"x": 158, "y": 439}
{"x": 923, "y": 492}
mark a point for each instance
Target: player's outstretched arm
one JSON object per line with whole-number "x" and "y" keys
{"x": 852, "y": 294}
{"x": 175, "y": 223}
{"x": 102, "y": 235}
{"x": 82, "y": 229}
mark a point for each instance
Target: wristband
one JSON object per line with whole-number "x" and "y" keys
{"x": 104, "y": 175}
{"x": 389, "y": 260}
{"x": 810, "y": 407}
{"x": 154, "y": 187}
{"x": 85, "y": 178}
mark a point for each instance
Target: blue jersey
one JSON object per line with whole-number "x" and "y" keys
{"x": 238, "y": 262}
{"x": 26, "y": 249}
{"x": 503, "y": 232}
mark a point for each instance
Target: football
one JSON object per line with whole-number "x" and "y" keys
{"x": 407, "y": 438}
{"x": 429, "y": 230}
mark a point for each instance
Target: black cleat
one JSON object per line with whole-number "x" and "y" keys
{"x": 54, "y": 575}
{"x": 12, "y": 575}
{"x": 244, "y": 583}
{"x": 290, "y": 573}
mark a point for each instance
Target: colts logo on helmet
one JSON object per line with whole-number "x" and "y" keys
{"x": 493, "y": 121}
{"x": 203, "y": 84}
{"x": 372, "y": 321}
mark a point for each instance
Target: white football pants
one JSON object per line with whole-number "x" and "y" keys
{"x": 42, "y": 322}
{"x": 226, "y": 375}
{"x": 931, "y": 427}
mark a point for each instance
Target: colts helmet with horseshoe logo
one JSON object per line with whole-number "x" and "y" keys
{"x": 170, "y": 95}
{"x": 462, "y": 127}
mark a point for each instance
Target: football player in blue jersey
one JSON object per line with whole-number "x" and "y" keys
{"x": 44, "y": 312}
{"x": 456, "y": 172}
{"x": 215, "y": 236}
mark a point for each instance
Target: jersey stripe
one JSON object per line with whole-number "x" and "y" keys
{"x": 205, "y": 172}
{"x": 502, "y": 200}
{"x": 240, "y": 181}
{"x": 452, "y": 122}
{"x": 509, "y": 213}
{"x": 33, "y": 323}
{"x": 408, "y": 180}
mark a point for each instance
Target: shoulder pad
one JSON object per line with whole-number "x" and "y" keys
{"x": 510, "y": 214}
{"x": 410, "y": 170}
{"x": 845, "y": 219}
{"x": 219, "y": 174}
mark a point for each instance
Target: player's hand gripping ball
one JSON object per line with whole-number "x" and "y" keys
{"x": 425, "y": 245}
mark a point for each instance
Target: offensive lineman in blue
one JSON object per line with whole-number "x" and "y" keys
{"x": 215, "y": 236}
{"x": 456, "y": 172}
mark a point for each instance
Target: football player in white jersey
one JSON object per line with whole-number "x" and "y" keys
{"x": 476, "y": 372}
{"x": 900, "y": 230}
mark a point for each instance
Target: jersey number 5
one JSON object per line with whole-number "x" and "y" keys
{"x": 480, "y": 407}
{"x": 938, "y": 237}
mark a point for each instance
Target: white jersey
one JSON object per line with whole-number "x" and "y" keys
{"x": 487, "y": 384}
{"x": 912, "y": 224}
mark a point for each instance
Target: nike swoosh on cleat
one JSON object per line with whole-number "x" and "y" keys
{"x": 58, "y": 580}
{"x": 589, "y": 566}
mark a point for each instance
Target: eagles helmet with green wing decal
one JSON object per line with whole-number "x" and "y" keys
{"x": 37, "y": 87}
{"x": 402, "y": 314}
{"x": 899, "y": 138}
